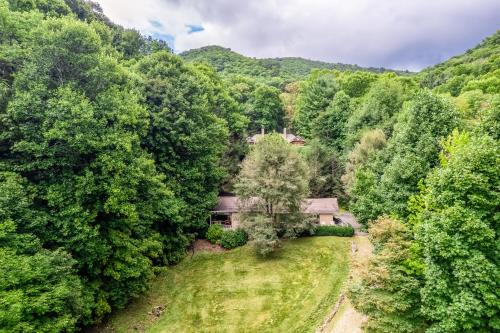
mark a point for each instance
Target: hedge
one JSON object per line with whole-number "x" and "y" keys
{"x": 334, "y": 230}
{"x": 214, "y": 233}
{"x": 233, "y": 238}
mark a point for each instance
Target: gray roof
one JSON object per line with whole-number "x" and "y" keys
{"x": 231, "y": 204}
{"x": 321, "y": 206}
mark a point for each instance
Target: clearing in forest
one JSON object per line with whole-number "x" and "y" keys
{"x": 236, "y": 291}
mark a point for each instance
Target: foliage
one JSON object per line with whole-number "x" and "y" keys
{"x": 475, "y": 69}
{"x": 385, "y": 184}
{"x": 233, "y": 238}
{"x": 380, "y": 107}
{"x": 75, "y": 121}
{"x": 333, "y": 230}
{"x": 324, "y": 168}
{"x": 277, "y": 71}
{"x": 363, "y": 152}
{"x": 330, "y": 125}
{"x": 414, "y": 148}
{"x": 316, "y": 94}
{"x": 185, "y": 136}
{"x": 388, "y": 288}
{"x": 272, "y": 185}
{"x": 456, "y": 215}
{"x": 39, "y": 288}
{"x": 214, "y": 233}
{"x": 265, "y": 109}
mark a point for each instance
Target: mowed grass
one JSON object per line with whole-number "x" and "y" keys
{"x": 236, "y": 291}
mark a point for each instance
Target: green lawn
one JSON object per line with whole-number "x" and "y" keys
{"x": 235, "y": 291}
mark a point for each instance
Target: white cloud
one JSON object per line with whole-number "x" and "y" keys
{"x": 392, "y": 33}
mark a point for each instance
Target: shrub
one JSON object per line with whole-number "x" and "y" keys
{"x": 233, "y": 238}
{"x": 214, "y": 233}
{"x": 334, "y": 230}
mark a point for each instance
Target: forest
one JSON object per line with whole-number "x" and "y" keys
{"x": 113, "y": 150}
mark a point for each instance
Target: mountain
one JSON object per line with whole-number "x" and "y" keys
{"x": 271, "y": 70}
{"x": 478, "y": 68}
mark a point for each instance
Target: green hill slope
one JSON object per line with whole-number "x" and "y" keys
{"x": 477, "y": 68}
{"x": 287, "y": 69}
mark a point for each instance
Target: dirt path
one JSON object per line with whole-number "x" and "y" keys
{"x": 347, "y": 319}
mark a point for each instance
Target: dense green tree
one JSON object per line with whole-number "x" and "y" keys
{"x": 356, "y": 84}
{"x": 265, "y": 109}
{"x": 325, "y": 169}
{"x": 414, "y": 148}
{"x": 387, "y": 290}
{"x": 48, "y": 7}
{"x": 237, "y": 122}
{"x": 316, "y": 94}
{"x": 39, "y": 288}
{"x": 74, "y": 131}
{"x": 186, "y": 137}
{"x": 386, "y": 182}
{"x": 457, "y": 217}
{"x": 379, "y": 109}
{"x": 330, "y": 125}
{"x": 272, "y": 185}
{"x": 363, "y": 152}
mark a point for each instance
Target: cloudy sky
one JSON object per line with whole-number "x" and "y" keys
{"x": 399, "y": 34}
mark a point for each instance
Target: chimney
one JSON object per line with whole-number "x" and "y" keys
{"x": 262, "y": 130}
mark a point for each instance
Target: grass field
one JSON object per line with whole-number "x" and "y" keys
{"x": 235, "y": 291}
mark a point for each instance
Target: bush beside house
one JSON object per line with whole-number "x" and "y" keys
{"x": 228, "y": 239}
{"x": 334, "y": 230}
{"x": 233, "y": 238}
{"x": 214, "y": 233}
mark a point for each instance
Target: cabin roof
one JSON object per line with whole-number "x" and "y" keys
{"x": 231, "y": 204}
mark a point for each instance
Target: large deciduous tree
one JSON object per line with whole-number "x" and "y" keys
{"x": 457, "y": 218}
{"x": 330, "y": 125}
{"x": 414, "y": 148}
{"x": 39, "y": 288}
{"x": 185, "y": 136}
{"x": 265, "y": 109}
{"x": 73, "y": 129}
{"x": 387, "y": 290}
{"x": 272, "y": 186}
{"x": 384, "y": 184}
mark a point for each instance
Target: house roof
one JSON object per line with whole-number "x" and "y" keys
{"x": 231, "y": 204}
{"x": 321, "y": 206}
{"x": 227, "y": 205}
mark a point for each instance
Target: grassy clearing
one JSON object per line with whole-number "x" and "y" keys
{"x": 235, "y": 291}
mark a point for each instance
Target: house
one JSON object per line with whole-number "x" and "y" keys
{"x": 228, "y": 211}
{"x": 291, "y": 138}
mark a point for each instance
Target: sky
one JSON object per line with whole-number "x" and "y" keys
{"x": 396, "y": 34}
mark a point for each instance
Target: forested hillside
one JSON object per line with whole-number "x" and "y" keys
{"x": 476, "y": 69}
{"x": 274, "y": 71}
{"x": 113, "y": 150}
